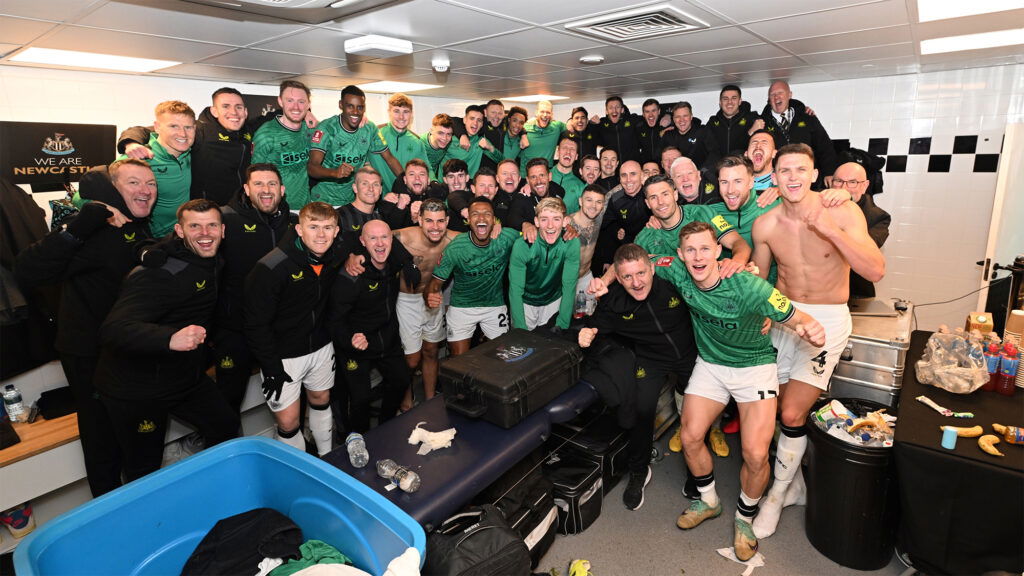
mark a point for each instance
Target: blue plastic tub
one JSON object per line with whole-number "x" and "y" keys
{"x": 152, "y": 525}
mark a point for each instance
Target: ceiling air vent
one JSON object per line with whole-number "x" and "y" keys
{"x": 637, "y": 24}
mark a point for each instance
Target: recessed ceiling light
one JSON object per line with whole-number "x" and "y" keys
{"x": 591, "y": 59}
{"x": 535, "y": 98}
{"x": 973, "y": 41}
{"x": 378, "y": 46}
{"x": 75, "y": 59}
{"x": 929, "y": 10}
{"x": 390, "y": 87}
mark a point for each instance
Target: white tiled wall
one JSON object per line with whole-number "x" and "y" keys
{"x": 940, "y": 220}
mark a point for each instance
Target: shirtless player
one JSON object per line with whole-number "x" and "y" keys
{"x": 815, "y": 248}
{"x": 586, "y": 221}
{"x": 422, "y": 328}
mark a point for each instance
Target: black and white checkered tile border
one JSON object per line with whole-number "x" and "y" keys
{"x": 922, "y": 146}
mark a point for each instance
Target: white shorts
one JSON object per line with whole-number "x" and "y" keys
{"x": 313, "y": 372}
{"x": 800, "y": 361}
{"x": 719, "y": 383}
{"x": 539, "y": 315}
{"x": 462, "y": 322}
{"x": 417, "y": 323}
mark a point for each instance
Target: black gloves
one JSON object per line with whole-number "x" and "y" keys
{"x": 91, "y": 218}
{"x": 273, "y": 384}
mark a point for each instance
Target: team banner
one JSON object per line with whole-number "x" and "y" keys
{"x": 46, "y": 154}
{"x": 259, "y": 105}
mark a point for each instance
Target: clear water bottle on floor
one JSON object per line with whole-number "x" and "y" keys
{"x": 14, "y": 405}
{"x": 356, "y": 447}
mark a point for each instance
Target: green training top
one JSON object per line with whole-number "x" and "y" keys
{"x": 743, "y": 221}
{"x": 434, "y": 157}
{"x": 543, "y": 142}
{"x": 479, "y": 270}
{"x": 404, "y": 146}
{"x": 666, "y": 240}
{"x": 727, "y": 317}
{"x": 342, "y": 147}
{"x": 573, "y": 187}
{"x": 288, "y": 150}
{"x": 539, "y": 274}
{"x": 471, "y": 157}
{"x": 509, "y": 149}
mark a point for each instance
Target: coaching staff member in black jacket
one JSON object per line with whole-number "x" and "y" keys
{"x": 646, "y": 314}
{"x": 90, "y": 257}
{"x": 285, "y": 297}
{"x": 152, "y": 363}
{"x": 254, "y": 222}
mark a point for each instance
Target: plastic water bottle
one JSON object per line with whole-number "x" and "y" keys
{"x": 399, "y": 475}
{"x": 13, "y": 404}
{"x": 356, "y": 447}
{"x": 386, "y": 468}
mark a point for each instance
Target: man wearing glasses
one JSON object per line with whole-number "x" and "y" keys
{"x": 852, "y": 177}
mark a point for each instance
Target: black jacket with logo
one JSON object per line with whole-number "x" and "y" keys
{"x": 621, "y": 135}
{"x": 698, "y": 144}
{"x": 248, "y": 236}
{"x": 658, "y": 328}
{"x": 90, "y": 269}
{"x": 731, "y": 133}
{"x": 524, "y": 208}
{"x": 366, "y": 304}
{"x": 649, "y": 139}
{"x": 805, "y": 129}
{"x": 285, "y": 302}
{"x": 136, "y": 362}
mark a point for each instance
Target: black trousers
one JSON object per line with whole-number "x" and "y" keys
{"x": 234, "y": 363}
{"x": 140, "y": 426}
{"x": 650, "y": 376}
{"x": 351, "y": 396}
{"x": 95, "y": 430}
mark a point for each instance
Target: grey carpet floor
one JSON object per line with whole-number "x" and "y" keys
{"x": 646, "y": 541}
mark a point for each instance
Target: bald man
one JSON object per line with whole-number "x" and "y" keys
{"x": 625, "y": 215}
{"x": 790, "y": 122}
{"x": 542, "y": 135}
{"x": 853, "y": 178}
{"x": 366, "y": 336}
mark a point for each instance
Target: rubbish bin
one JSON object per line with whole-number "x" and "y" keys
{"x": 852, "y": 506}
{"x": 152, "y": 525}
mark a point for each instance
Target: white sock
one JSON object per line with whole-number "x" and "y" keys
{"x": 320, "y": 426}
{"x": 746, "y": 507}
{"x": 708, "y": 494}
{"x": 789, "y": 453}
{"x": 295, "y": 440}
{"x": 796, "y": 495}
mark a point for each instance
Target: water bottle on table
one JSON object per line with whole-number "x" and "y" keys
{"x": 399, "y": 475}
{"x": 356, "y": 447}
{"x": 14, "y": 404}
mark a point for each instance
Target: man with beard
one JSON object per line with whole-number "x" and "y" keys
{"x": 403, "y": 143}
{"x": 609, "y": 160}
{"x": 693, "y": 140}
{"x": 485, "y": 185}
{"x": 538, "y": 186}
{"x": 512, "y": 138}
{"x": 286, "y": 295}
{"x": 422, "y": 328}
{"x": 734, "y": 122}
{"x": 284, "y": 142}
{"x": 366, "y": 336}
{"x": 586, "y": 221}
{"x": 816, "y": 248}
{"x": 542, "y": 134}
{"x": 761, "y": 153}
{"x": 340, "y": 145}
{"x": 254, "y": 222}
{"x": 648, "y": 130}
{"x": 414, "y": 187}
{"x": 153, "y": 354}
{"x": 584, "y": 132}
{"x": 853, "y": 178}
{"x": 542, "y": 275}
{"x": 477, "y": 264}
{"x": 590, "y": 169}
{"x": 436, "y": 142}
{"x": 618, "y": 129}
{"x": 790, "y": 122}
{"x": 564, "y": 176}
{"x": 89, "y": 257}
{"x": 689, "y": 181}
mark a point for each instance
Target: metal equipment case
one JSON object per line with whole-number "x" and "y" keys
{"x": 871, "y": 366}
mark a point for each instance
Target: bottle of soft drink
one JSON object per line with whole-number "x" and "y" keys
{"x": 356, "y": 447}
{"x": 1008, "y": 364}
{"x": 14, "y": 404}
{"x": 992, "y": 362}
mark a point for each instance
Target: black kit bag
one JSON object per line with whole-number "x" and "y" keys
{"x": 474, "y": 543}
{"x": 578, "y": 492}
{"x": 506, "y": 379}
{"x": 526, "y": 498}
{"x": 595, "y": 435}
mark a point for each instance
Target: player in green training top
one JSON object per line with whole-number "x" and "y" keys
{"x": 340, "y": 146}
{"x": 473, "y": 120}
{"x": 542, "y": 133}
{"x": 403, "y": 143}
{"x": 563, "y": 174}
{"x": 285, "y": 142}
{"x": 735, "y": 360}
{"x": 542, "y": 275}
{"x": 477, "y": 263}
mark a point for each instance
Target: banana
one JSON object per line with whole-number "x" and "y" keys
{"x": 988, "y": 444}
{"x": 999, "y": 428}
{"x": 964, "y": 432}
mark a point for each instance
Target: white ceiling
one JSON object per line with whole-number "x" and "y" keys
{"x": 501, "y": 48}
